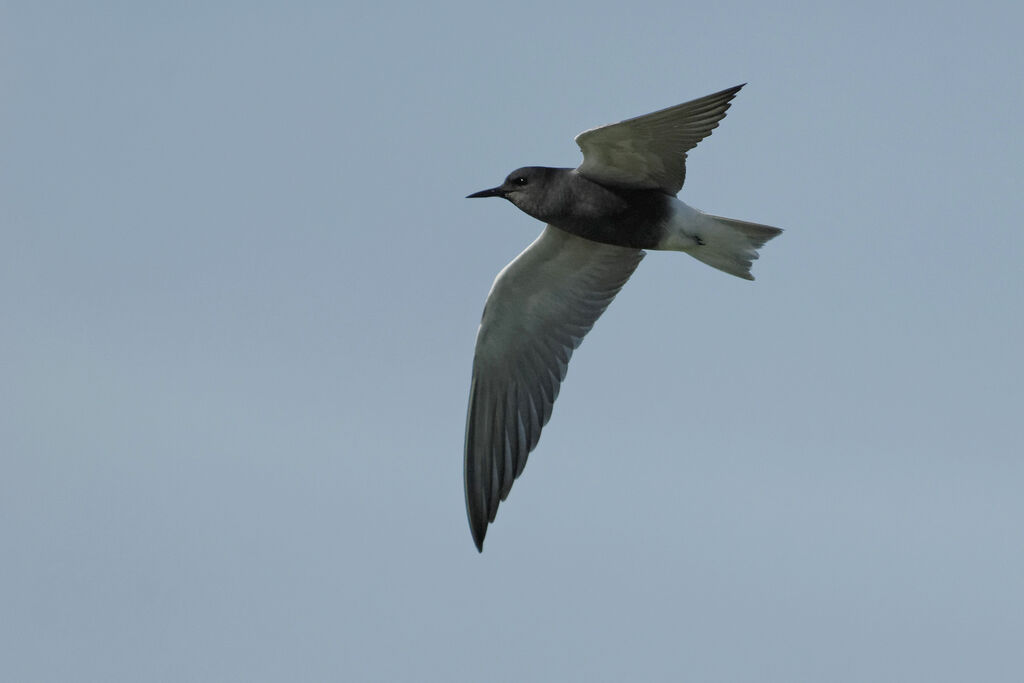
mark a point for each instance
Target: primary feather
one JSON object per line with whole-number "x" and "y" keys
{"x": 537, "y": 313}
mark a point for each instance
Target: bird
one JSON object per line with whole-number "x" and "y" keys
{"x": 600, "y": 218}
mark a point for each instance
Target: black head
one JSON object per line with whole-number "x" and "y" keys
{"x": 519, "y": 183}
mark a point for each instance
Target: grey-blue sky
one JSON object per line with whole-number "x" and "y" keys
{"x": 241, "y": 286}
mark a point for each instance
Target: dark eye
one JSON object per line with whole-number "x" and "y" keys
{"x": 520, "y": 180}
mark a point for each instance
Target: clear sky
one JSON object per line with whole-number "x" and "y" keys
{"x": 240, "y": 288}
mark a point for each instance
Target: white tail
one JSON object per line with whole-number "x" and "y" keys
{"x": 730, "y": 245}
{"x": 722, "y": 243}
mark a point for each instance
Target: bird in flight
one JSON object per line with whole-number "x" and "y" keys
{"x": 600, "y": 218}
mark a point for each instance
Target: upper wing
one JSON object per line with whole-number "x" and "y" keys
{"x": 650, "y": 151}
{"x": 539, "y": 308}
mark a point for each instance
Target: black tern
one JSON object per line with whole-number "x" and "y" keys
{"x": 600, "y": 217}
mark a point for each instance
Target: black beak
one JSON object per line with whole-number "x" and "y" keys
{"x": 493, "y": 192}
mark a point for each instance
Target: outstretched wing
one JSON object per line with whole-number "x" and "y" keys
{"x": 539, "y": 309}
{"x": 650, "y": 151}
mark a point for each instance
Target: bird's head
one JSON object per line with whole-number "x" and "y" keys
{"x": 525, "y": 187}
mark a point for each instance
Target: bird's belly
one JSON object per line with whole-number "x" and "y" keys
{"x": 640, "y": 224}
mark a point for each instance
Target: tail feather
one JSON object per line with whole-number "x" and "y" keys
{"x": 730, "y": 245}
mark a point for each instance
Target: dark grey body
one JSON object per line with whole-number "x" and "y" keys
{"x": 624, "y": 217}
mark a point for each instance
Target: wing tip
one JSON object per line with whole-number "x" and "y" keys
{"x": 477, "y": 516}
{"x": 728, "y": 95}
{"x": 478, "y": 535}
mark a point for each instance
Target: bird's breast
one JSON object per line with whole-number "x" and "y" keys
{"x": 619, "y": 216}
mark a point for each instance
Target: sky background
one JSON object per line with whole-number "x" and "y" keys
{"x": 240, "y": 288}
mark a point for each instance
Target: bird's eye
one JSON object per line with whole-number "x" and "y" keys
{"x": 520, "y": 180}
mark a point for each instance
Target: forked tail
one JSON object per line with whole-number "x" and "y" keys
{"x": 730, "y": 245}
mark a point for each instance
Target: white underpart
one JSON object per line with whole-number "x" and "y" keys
{"x": 684, "y": 228}
{"x": 724, "y": 243}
